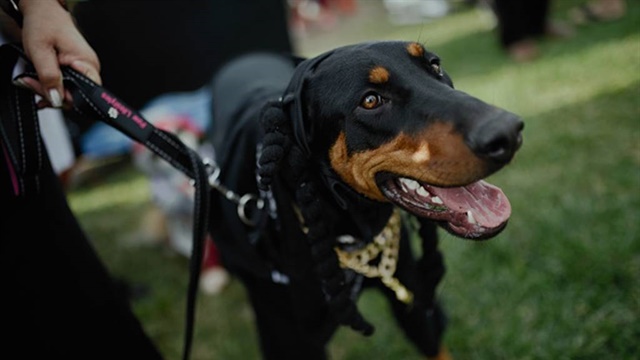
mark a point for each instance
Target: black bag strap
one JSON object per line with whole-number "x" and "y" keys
{"x": 19, "y": 134}
{"x": 21, "y": 138}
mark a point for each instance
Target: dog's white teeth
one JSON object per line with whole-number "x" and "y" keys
{"x": 470, "y": 218}
{"x": 422, "y": 192}
{"x": 410, "y": 184}
{"x": 437, "y": 200}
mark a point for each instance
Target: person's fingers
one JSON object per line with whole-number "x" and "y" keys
{"x": 49, "y": 75}
{"x": 68, "y": 99}
{"x": 42, "y": 104}
{"x": 83, "y": 67}
{"x": 28, "y": 83}
{"x": 87, "y": 70}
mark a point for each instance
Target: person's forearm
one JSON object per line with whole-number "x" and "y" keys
{"x": 25, "y": 5}
{"x": 16, "y": 8}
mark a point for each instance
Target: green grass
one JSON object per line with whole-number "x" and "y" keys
{"x": 561, "y": 282}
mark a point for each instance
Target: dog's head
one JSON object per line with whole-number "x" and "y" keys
{"x": 387, "y": 121}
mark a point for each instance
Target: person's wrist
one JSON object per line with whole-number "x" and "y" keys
{"x": 16, "y": 8}
{"x": 24, "y": 5}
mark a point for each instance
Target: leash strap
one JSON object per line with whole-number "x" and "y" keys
{"x": 23, "y": 145}
{"x": 20, "y": 137}
{"x": 10, "y": 7}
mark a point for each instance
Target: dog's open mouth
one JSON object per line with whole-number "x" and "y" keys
{"x": 476, "y": 211}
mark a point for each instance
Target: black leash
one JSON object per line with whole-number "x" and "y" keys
{"x": 23, "y": 145}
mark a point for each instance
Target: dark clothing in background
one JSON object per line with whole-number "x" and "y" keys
{"x": 150, "y": 47}
{"x": 521, "y": 19}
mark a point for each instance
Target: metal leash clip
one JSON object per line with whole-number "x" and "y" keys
{"x": 243, "y": 202}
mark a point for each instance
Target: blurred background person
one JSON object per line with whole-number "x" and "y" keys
{"x": 405, "y": 12}
{"x": 522, "y": 23}
{"x": 323, "y": 15}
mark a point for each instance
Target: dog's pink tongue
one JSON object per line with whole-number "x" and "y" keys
{"x": 488, "y": 204}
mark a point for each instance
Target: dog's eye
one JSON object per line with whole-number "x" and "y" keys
{"x": 371, "y": 101}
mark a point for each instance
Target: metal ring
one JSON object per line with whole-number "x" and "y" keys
{"x": 214, "y": 176}
{"x": 242, "y": 208}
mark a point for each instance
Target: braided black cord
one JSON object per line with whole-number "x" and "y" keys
{"x": 332, "y": 278}
{"x": 277, "y": 146}
{"x": 276, "y": 142}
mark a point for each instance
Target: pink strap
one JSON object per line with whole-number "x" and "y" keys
{"x": 12, "y": 172}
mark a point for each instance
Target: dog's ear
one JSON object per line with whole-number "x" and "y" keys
{"x": 276, "y": 143}
{"x": 293, "y": 98}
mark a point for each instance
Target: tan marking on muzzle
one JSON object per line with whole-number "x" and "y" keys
{"x": 378, "y": 75}
{"x": 438, "y": 156}
{"x": 415, "y": 49}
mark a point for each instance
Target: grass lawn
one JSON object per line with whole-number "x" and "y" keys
{"x": 561, "y": 282}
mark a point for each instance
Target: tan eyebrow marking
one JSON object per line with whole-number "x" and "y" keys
{"x": 378, "y": 75}
{"x": 415, "y": 49}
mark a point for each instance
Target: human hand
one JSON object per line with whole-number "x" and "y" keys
{"x": 50, "y": 40}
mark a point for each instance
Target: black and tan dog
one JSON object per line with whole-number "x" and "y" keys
{"x": 337, "y": 159}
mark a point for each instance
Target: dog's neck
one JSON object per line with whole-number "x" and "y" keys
{"x": 358, "y": 216}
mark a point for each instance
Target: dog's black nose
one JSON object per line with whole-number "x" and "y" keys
{"x": 497, "y": 137}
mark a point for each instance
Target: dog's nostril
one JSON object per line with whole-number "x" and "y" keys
{"x": 497, "y": 140}
{"x": 519, "y": 139}
{"x": 497, "y": 148}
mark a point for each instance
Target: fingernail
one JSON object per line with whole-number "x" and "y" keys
{"x": 54, "y": 98}
{"x": 21, "y": 83}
